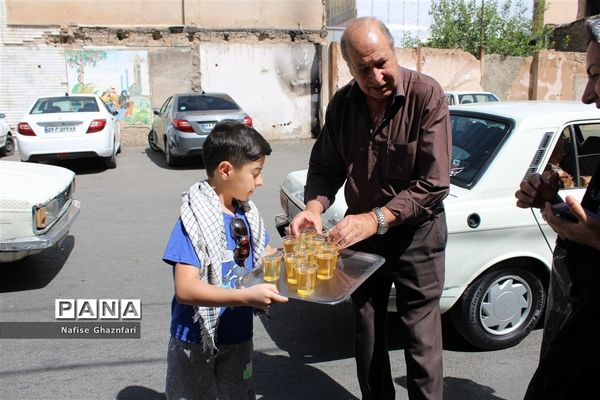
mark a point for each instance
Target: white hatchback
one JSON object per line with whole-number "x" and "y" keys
{"x": 498, "y": 257}
{"x": 68, "y": 127}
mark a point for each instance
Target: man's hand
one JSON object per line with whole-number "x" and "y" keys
{"x": 310, "y": 217}
{"x": 535, "y": 190}
{"x": 353, "y": 228}
{"x": 586, "y": 231}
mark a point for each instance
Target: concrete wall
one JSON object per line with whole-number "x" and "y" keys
{"x": 171, "y": 70}
{"x": 560, "y": 11}
{"x": 550, "y": 75}
{"x": 271, "y": 82}
{"x": 92, "y": 12}
{"x": 208, "y": 14}
{"x": 257, "y": 14}
{"x": 559, "y": 76}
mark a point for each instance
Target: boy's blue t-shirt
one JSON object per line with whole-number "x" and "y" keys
{"x": 235, "y": 323}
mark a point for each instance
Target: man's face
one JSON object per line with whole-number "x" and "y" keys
{"x": 372, "y": 62}
{"x": 591, "y": 94}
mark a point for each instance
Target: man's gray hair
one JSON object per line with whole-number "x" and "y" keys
{"x": 365, "y": 21}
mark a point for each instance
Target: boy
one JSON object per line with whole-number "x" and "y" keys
{"x": 210, "y": 351}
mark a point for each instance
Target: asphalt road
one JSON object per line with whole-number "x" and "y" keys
{"x": 114, "y": 251}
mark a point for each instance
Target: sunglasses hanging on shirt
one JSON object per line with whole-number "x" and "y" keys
{"x": 239, "y": 232}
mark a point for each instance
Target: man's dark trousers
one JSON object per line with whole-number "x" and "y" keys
{"x": 415, "y": 258}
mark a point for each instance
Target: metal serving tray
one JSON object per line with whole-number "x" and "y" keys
{"x": 353, "y": 268}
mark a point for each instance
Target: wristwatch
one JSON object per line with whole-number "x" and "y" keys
{"x": 382, "y": 226}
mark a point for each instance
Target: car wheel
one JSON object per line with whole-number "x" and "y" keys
{"x": 500, "y": 308}
{"x": 169, "y": 157}
{"x": 9, "y": 146}
{"x": 111, "y": 161}
{"x": 152, "y": 141}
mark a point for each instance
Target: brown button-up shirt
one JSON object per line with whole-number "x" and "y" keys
{"x": 402, "y": 164}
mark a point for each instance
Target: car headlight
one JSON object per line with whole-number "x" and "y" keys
{"x": 46, "y": 214}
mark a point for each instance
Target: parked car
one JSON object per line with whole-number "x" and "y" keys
{"x": 185, "y": 119}
{"x": 36, "y": 208}
{"x": 464, "y": 97}
{"x": 68, "y": 127}
{"x": 7, "y": 144}
{"x": 498, "y": 257}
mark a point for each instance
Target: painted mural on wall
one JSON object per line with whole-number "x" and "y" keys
{"x": 119, "y": 77}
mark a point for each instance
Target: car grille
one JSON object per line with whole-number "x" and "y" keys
{"x": 64, "y": 196}
{"x": 283, "y": 200}
{"x": 288, "y": 206}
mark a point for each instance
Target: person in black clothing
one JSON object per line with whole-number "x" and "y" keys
{"x": 570, "y": 356}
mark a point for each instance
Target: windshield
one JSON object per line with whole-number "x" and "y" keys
{"x": 49, "y": 105}
{"x": 203, "y": 103}
{"x": 474, "y": 141}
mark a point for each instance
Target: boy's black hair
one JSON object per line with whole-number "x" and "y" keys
{"x": 234, "y": 142}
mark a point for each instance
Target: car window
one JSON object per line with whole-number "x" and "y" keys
{"x": 107, "y": 107}
{"x": 465, "y": 98}
{"x": 484, "y": 97}
{"x": 474, "y": 141}
{"x": 203, "y": 103}
{"x": 166, "y": 105}
{"x": 450, "y": 99}
{"x": 49, "y": 105}
{"x": 562, "y": 160}
{"x": 587, "y": 146}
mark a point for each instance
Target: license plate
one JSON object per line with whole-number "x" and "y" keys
{"x": 208, "y": 125}
{"x": 59, "y": 129}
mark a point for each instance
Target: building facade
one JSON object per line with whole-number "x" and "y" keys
{"x": 265, "y": 53}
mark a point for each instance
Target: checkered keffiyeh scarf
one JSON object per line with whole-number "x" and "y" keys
{"x": 202, "y": 218}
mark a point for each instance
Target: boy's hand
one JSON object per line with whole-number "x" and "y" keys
{"x": 262, "y": 296}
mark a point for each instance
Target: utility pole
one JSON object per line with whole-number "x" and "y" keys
{"x": 481, "y": 22}
{"x": 537, "y": 22}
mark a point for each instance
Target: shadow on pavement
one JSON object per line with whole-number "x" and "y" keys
{"x": 311, "y": 332}
{"x": 158, "y": 158}
{"x": 139, "y": 393}
{"x": 36, "y": 271}
{"x": 281, "y": 378}
{"x": 82, "y": 166}
{"x": 306, "y": 331}
{"x": 461, "y": 389}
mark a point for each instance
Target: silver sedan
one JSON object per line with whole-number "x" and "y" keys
{"x": 184, "y": 120}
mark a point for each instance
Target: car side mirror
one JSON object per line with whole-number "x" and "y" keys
{"x": 156, "y": 112}
{"x": 2, "y": 115}
{"x": 114, "y": 112}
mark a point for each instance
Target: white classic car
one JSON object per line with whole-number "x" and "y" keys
{"x": 36, "y": 208}
{"x": 498, "y": 257}
{"x": 465, "y": 97}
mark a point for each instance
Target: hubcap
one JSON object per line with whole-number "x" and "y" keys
{"x": 506, "y": 305}
{"x": 152, "y": 140}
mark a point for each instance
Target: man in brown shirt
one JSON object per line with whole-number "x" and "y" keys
{"x": 388, "y": 134}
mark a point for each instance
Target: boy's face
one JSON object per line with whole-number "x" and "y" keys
{"x": 245, "y": 180}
